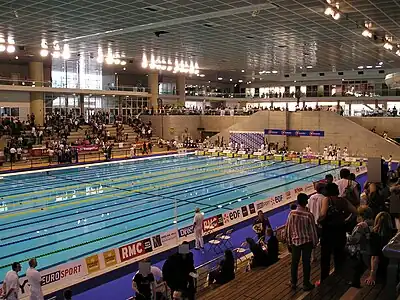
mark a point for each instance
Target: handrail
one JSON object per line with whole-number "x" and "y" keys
{"x": 392, "y": 249}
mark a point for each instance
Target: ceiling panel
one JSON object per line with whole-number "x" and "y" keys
{"x": 287, "y": 36}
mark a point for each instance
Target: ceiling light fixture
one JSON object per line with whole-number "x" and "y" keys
{"x": 274, "y": 72}
{"x": 10, "y": 48}
{"x": 367, "y": 33}
{"x": 164, "y": 65}
{"x": 360, "y": 67}
{"x": 56, "y": 53}
{"x": 219, "y": 78}
{"x": 240, "y": 80}
{"x": 388, "y": 46}
{"x": 398, "y": 52}
{"x": 381, "y": 63}
{"x": 309, "y": 67}
{"x": 369, "y": 67}
{"x": 123, "y": 62}
{"x": 242, "y": 71}
{"x": 230, "y": 79}
{"x": 202, "y": 75}
{"x": 44, "y": 48}
{"x": 66, "y": 53}
{"x": 332, "y": 10}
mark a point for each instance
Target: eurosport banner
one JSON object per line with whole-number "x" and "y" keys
{"x": 70, "y": 273}
{"x": 317, "y": 133}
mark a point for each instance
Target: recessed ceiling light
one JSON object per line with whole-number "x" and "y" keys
{"x": 369, "y": 67}
{"x": 202, "y": 75}
{"x": 242, "y": 71}
{"x": 209, "y": 81}
{"x": 360, "y": 67}
{"x": 268, "y": 72}
{"x": 115, "y": 73}
{"x": 309, "y": 67}
{"x": 274, "y": 72}
{"x": 295, "y": 81}
{"x": 124, "y": 69}
{"x": 381, "y": 63}
{"x": 219, "y": 78}
{"x": 378, "y": 66}
{"x": 16, "y": 57}
{"x": 240, "y": 80}
{"x": 230, "y": 79}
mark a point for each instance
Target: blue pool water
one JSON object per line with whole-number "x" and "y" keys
{"x": 62, "y": 215}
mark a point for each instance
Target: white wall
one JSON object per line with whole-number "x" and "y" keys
{"x": 16, "y": 99}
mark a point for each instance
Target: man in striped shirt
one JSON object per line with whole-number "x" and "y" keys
{"x": 301, "y": 237}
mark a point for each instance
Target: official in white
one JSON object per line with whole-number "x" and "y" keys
{"x": 198, "y": 228}
{"x": 11, "y": 283}
{"x": 34, "y": 280}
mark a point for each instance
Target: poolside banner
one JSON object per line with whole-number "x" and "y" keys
{"x": 84, "y": 148}
{"x": 286, "y": 132}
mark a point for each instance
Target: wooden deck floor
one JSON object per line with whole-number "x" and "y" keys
{"x": 273, "y": 283}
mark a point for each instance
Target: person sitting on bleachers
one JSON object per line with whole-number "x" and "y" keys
{"x": 260, "y": 256}
{"x": 272, "y": 247}
{"x": 225, "y": 271}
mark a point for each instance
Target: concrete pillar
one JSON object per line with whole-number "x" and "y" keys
{"x": 180, "y": 88}
{"x": 338, "y": 107}
{"x": 153, "y": 85}
{"x": 82, "y": 103}
{"x": 384, "y": 105}
{"x": 37, "y": 98}
{"x": 349, "y": 108}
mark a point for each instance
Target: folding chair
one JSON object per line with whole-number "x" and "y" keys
{"x": 225, "y": 239}
{"x": 215, "y": 244}
{"x": 240, "y": 251}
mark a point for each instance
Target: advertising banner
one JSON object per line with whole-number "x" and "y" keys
{"x": 317, "y": 133}
{"x": 86, "y": 148}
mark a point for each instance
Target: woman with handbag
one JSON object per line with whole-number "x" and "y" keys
{"x": 358, "y": 244}
{"x": 334, "y": 213}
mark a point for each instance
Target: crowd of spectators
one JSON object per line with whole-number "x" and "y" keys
{"x": 352, "y": 227}
{"x": 52, "y": 137}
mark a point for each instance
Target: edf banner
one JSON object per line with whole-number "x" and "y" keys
{"x": 317, "y": 133}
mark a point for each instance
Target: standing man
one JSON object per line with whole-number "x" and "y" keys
{"x": 11, "y": 282}
{"x": 198, "y": 228}
{"x": 301, "y": 236}
{"x": 34, "y": 280}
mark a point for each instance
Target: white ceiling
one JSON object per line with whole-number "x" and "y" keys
{"x": 221, "y": 35}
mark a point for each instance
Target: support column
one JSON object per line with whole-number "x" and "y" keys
{"x": 384, "y": 105}
{"x": 153, "y": 85}
{"x": 180, "y": 88}
{"x": 82, "y": 104}
{"x": 37, "y": 98}
{"x": 349, "y": 108}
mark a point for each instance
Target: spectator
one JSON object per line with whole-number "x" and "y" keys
{"x": 260, "y": 256}
{"x": 352, "y": 177}
{"x": 315, "y": 205}
{"x": 260, "y": 225}
{"x": 381, "y": 234}
{"x": 334, "y": 212}
{"x": 11, "y": 282}
{"x": 301, "y": 237}
{"x": 358, "y": 244}
{"x": 34, "y": 280}
{"x": 179, "y": 295}
{"x": 68, "y": 295}
{"x": 272, "y": 247}
{"x": 374, "y": 199}
{"x": 348, "y": 188}
{"x": 329, "y": 178}
{"x": 225, "y": 271}
{"x": 198, "y": 229}
{"x": 144, "y": 283}
{"x": 178, "y": 271}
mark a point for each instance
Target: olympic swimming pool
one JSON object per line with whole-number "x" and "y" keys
{"x": 63, "y": 215}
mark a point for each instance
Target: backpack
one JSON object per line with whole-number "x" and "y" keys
{"x": 350, "y": 194}
{"x": 334, "y": 216}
